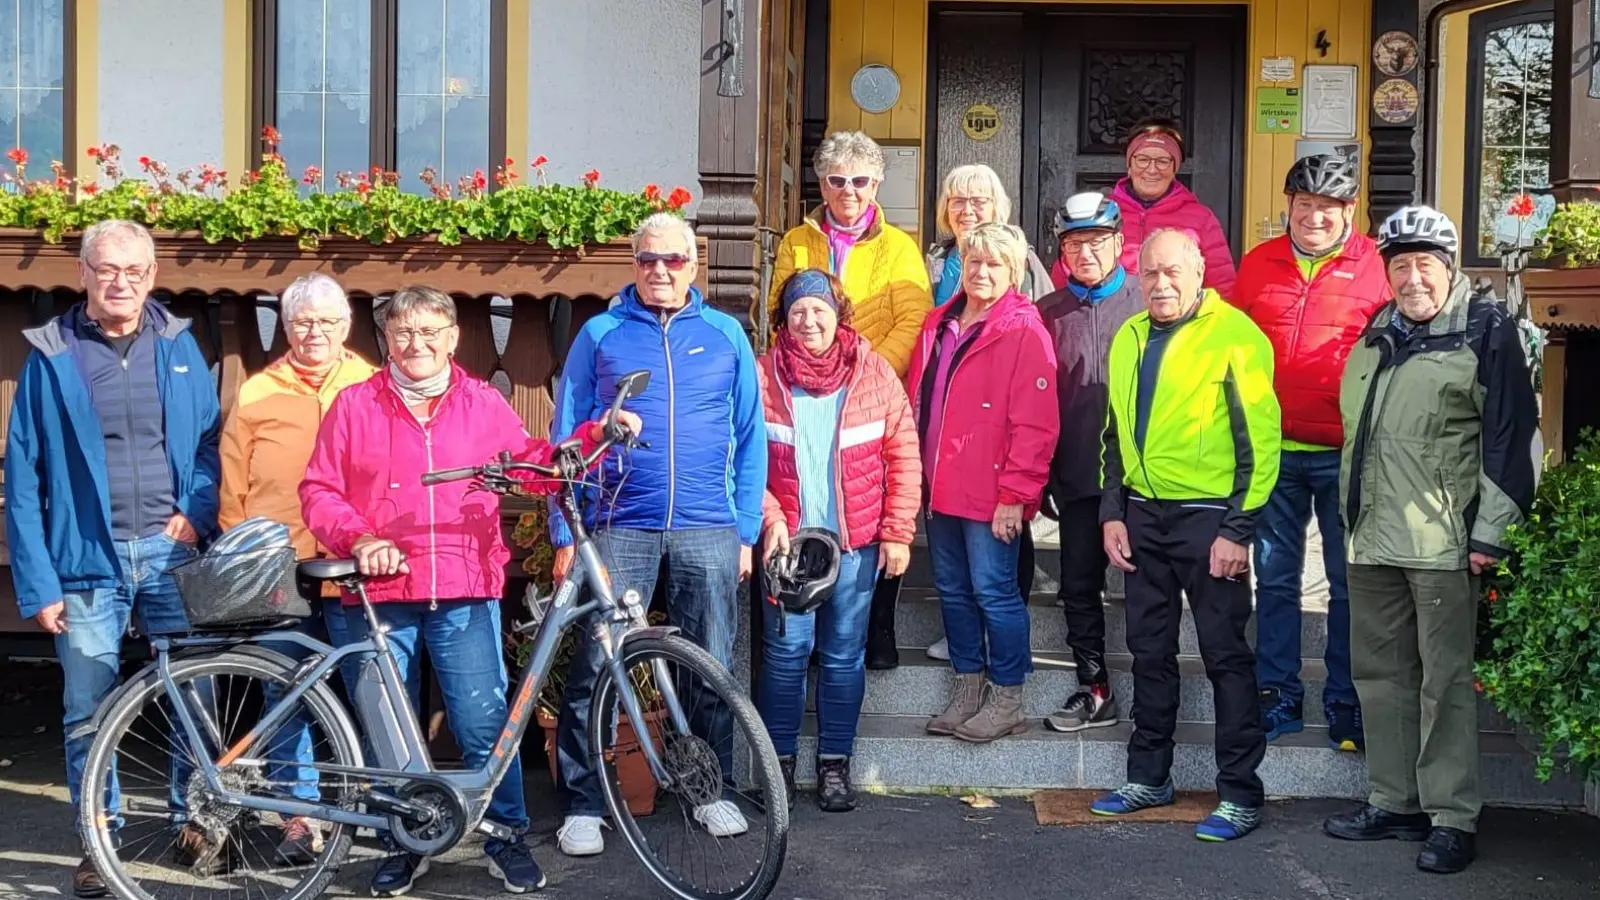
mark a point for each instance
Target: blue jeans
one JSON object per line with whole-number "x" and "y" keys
{"x": 293, "y": 739}
{"x": 462, "y": 638}
{"x": 702, "y": 572}
{"x": 838, "y": 631}
{"x": 1307, "y": 481}
{"x": 91, "y": 650}
{"x": 976, "y": 574}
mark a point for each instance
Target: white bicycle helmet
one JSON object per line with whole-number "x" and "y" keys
{"x": 1419, "y": 228}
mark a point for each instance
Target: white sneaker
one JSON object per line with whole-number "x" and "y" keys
{"x": 580, "y": 836}
{"x": 721, "y": 819}
{"x": 940, "y": 650}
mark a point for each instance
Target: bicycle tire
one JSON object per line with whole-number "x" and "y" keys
{"x": 686, "y": 653}
{"x": 128, "y": 705}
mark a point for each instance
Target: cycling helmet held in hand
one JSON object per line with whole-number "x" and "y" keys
{"x": 802, "y": 579}
{"x": 1418, "y": 228}
{"x": 1331, "y": 175}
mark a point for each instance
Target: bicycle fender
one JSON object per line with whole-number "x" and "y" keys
{"x": 91, "y": 726}
{"x": 651, "y": 631}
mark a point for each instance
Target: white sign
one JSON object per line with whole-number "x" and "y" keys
{"x": 1328, "y": 104}
{"x": 1277, "y": 69}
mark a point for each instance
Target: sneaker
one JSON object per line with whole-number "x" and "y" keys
{"x": 721, "y": 819}
{"x": 1091, "y": 708}
{"x": 1131, "y": 798}
{"x": 786, "y": 766}
{"x": 1345, "y": 731}
{"x": 1228, "y": 822}
{"x": 940, "y": 650}
{"x": 1280, "y": 715}
{"x": 302, "y": 841}
{"x": 397, "y": 874}
{"x": 834, "y": 791}
{"x": 1448, "y": 851}
{"x": 512, "y": 862}
{"x": 580, "y": 836}
{"x": 86, "y": 881}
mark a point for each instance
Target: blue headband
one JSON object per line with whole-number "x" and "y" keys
{"x": 807, "y": 283}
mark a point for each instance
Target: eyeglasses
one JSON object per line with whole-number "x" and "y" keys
{"x": 976, "y": 204}
{"x": 1072, "y": 246}
{"x": 108, "y": 274}
{"x": 305, "y": 326}
{"x": 1159, "y": 163}
{"x": 412, "y": 335}
{"x": 673, "y": 261}
{"x": 859, "y": 182}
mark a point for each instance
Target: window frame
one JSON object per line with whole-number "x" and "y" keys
{"x": 69, "y": 92}
{"x": 1479, "y": 24}
{"x": 384, "y": 89}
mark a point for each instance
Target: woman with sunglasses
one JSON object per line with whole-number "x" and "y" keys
{"x": 1152, "y": 198}
{"x": 880, "y": 266}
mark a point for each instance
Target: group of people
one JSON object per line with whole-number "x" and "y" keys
{"x": 1170, "y": 414}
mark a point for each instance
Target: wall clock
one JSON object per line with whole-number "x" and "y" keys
{"x": 875, "y": 88}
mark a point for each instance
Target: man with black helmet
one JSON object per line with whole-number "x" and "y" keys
{"x": 1097, "y": 299}
{"x": 1311, "y": 291}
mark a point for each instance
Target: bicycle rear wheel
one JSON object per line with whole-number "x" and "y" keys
{"x": 720, "y": 830}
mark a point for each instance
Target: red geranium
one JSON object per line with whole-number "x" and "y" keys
{"x": 540, "y": 161}
{"x": 591, "y": 178}
{"x": 652, "y": 192}
{"x": 17, "y": 155}
{"x": 1522, "y": 206}
{"x": 679, "y": 198}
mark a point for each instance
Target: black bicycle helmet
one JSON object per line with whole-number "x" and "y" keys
{"x": 802, "y": 579}
{"x": 1325, "y": 175}
{"x": 1087, "y": 211}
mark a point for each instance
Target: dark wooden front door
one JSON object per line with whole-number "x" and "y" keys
{"x": 1075, "y": 80}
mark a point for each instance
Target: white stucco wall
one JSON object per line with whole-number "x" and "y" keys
{"x": 614, "y": 85}
{"x": 161, "y": 80}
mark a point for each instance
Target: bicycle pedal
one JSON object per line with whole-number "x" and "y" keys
{"x": 496, "y": 831}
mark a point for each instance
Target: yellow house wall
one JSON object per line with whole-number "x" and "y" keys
{"x": 895, "y": 33}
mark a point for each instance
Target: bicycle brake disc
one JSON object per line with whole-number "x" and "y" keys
{"x": 446, "y": 824}
{"x": 694, "y": 768}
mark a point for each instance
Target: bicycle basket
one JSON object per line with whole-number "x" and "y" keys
{"x": 238, "y": 589}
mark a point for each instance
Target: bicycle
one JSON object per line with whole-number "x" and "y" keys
{"x": 238, "y": 783}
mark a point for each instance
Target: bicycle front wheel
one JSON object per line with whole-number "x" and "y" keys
{"x": 719, "y": 828}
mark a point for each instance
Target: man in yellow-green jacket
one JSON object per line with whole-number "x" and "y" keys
{"x": 1190, "y": 456}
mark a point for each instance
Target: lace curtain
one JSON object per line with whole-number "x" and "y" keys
{"x": 32, "y": 59}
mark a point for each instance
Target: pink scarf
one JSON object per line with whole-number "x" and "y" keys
{"x": 842, "y": 239}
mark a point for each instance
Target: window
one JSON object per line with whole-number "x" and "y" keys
{"x": 33, "y": 78}
{"x": 1508, "y": 122}
{"x": 406, "y": 85}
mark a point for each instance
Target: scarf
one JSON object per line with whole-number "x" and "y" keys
{"x": 416, "y": 393}
{"x": 948, "y": 279}
{"x": 842, "y": 239}
{"x": 313, "y": 377}
{"x": 1107, "y": 287}
{"x": 818, "y": 374}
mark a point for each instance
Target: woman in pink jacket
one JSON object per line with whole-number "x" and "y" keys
{"x": 983, "y": 389}
{"x": 434, "y": 554}
{"x": 1152, "y": 198}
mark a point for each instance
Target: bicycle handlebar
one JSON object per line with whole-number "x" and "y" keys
{"x": 569, "y": 463}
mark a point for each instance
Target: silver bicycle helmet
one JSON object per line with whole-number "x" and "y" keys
{"x": 1418, "y": 228}
{"x": 1325, "y": 175}
{"x": 239, "y": 557}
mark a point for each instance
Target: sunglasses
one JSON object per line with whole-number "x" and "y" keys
{"x": 859, "y": 182}
{"x": 673, "y": 261}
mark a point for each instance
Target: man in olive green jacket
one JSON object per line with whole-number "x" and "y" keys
{"x": 1439, "y": 420}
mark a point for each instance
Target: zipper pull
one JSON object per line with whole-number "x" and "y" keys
{"x": 433, "y": 605}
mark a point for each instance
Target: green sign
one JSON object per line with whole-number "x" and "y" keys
{"x": 1277, "y": 110}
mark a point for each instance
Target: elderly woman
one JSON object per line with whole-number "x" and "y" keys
{"x": 972, "y": 195}
{"x": 847, "y": 236}
{"x": 266, "y": 443}
{"x": 842, "y": 456}
{"x": 983, "y": 380}
{"x": 434, "y": 555}
{"x": 1152, "y": 198}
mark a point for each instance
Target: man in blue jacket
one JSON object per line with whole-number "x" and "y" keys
{"x": 111, "y": 471}
{"x": 689, "y": 507}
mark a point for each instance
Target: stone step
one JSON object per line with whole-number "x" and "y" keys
{"x": 893, "y": 753}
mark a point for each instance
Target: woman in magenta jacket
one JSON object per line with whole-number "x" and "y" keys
{"x": 983, "y": 389}
{"x": 1152, "y": 198}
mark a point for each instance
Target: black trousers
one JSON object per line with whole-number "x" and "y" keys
{"x": 1171, "y": 543}
{"x": 1083, "y": 585}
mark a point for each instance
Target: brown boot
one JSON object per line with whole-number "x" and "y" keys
{"x": 86, "y": 881}
{"x": 964, "y": 702}
{"x": 1001, "y": 715}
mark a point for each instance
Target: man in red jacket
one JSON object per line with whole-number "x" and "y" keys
{"x": 1312, "y": 292}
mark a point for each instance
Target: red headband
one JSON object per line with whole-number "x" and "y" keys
{"x": 1158, "y": 140}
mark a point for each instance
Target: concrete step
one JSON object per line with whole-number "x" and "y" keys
{"x": 894, "y": 753}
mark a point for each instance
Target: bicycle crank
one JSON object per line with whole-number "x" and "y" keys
{"x": 425, "y": 818}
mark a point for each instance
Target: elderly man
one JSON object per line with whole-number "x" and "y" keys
{"x": 1439, "y": 421}
{"x": 1082, "y": 318}
{"x": 1312, "y": 292}
{"x": 1191, "y": 453}
{"x": 111, "y": 479}
{"x": 690, "y": 507}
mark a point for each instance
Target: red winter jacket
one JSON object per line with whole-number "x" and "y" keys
{"x": 1312, "y": 326}
{"x": 1001, "y": 419}
{"x": 1181, "y": 209}
{"x": 878, "y": 467}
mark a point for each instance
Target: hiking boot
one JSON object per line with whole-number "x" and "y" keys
{"x": 302, "y": 841}
{"x": 86, "y": 881}
{"x": 1370, "y": 823}
{"x": 786, "y": 766}
{"x": 397, "y": 874}
{"x": 1000, "y": 716}
{"x": 1280, "y": 715}
{"x": 514, "y": 865}
{"x": 192, "y": 848}
{"x": 1345, "y": 731}
{"x": 834, "y": 791}
{"x": 1228, "y": 822}
{"x": 1448, "y": 851}
{"x": 1130, "y": 798}
{"x": 1090, "y": 708}
{"x": 964, "y": 702}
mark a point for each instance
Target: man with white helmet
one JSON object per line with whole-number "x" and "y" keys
{"x": 1439, "y": 418}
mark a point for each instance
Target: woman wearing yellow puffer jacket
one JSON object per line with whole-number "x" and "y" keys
{"x": 882, "y": 269}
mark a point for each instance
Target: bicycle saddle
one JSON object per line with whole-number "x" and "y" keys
{"x": 328, "y": 569}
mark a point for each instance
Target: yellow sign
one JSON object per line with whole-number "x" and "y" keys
{"x": 981, "y": 121}
{"x": 1395, "y": 101}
